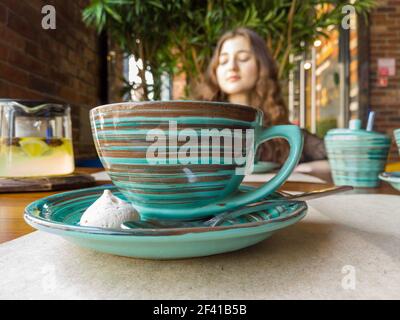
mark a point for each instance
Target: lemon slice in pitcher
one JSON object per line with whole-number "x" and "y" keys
{"x": 34, "y": 147}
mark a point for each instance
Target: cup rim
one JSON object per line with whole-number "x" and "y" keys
{"x": 155, "y": 102}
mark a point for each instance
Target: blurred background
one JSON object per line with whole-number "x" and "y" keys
{"x": 338, "y": 60}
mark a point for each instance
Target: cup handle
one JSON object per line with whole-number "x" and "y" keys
{"x": 294, "y": 136}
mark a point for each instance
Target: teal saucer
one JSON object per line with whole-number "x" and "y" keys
{"x": 393, "y": 178}
{"x": 264, "y": 167}
{"x": 60, "y": 214}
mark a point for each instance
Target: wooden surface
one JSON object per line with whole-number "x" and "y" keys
{"x": 66, "y": 182}
{"x": 12, "y": 205}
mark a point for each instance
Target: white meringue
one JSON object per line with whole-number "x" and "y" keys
{"x": 108, "y": 211}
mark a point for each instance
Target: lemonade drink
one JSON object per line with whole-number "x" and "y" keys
{"x": 35, "y": 139}
{"x": 35, "y": 156}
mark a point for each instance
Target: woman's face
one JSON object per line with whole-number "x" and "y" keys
{"x": 237, "y": 70}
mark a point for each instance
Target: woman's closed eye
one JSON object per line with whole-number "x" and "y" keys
{"x": 240, "y": 57}
{"x": 223, "y": 60}
{"x": 243, "y": 56}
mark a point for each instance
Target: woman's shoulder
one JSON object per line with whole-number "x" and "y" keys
{"x": 314, "y": 147}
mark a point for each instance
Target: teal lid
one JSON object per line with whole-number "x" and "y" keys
{"x": 355, "y": 131}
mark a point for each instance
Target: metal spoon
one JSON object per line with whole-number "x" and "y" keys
{"x": 232, "y": 214}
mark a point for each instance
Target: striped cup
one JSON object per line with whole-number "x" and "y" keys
{"x": 186, "y": 159}
{"x": 397, "y": 138}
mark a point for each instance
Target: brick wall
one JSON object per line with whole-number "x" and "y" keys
{"x": 61, "y": 64}
{"x": 385, "y": 43}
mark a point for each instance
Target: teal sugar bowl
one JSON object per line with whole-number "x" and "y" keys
{"x": 357, "y": 156}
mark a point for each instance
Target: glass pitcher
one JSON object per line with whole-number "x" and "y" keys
{"x": 35, "y": 139}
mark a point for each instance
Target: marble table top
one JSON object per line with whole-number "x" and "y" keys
{"x": 347, "y": 247}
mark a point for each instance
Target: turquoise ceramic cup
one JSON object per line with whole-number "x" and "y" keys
{"x": 396, "y": 134}
{"x": 165, "y": 157}
{"x": 356, "y": 156}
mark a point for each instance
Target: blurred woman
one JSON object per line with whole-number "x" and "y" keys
{"x": 243, "y": 71}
